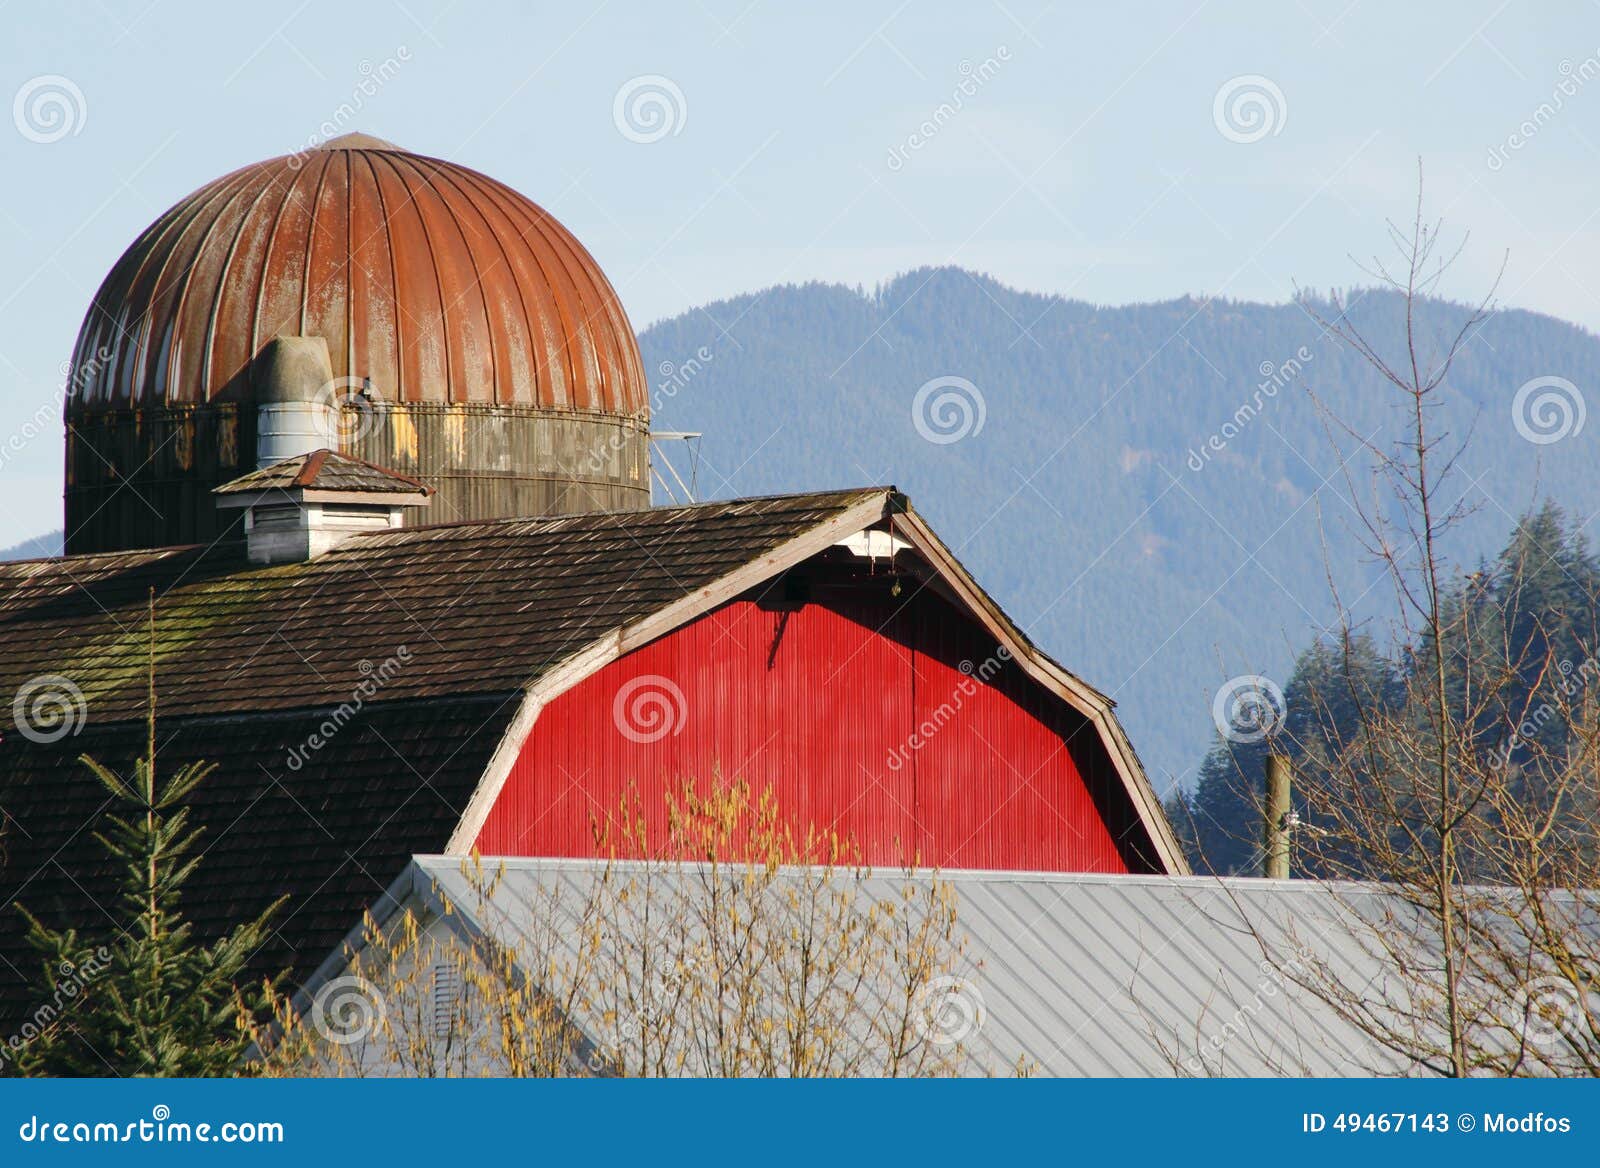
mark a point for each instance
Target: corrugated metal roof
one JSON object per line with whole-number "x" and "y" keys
{"x": 437, "y": 282}
{"x": 1091, "y": 975}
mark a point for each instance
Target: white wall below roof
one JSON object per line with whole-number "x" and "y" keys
{"x": 406, "y": 1017}
{"x": 295, "y": 531}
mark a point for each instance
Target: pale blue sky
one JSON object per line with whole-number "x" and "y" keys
{"x": 1086, "y": 162}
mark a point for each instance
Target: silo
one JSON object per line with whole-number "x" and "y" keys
{"x": 473, "y": 343}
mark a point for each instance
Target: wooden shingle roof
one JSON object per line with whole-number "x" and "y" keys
{"x": 480, "y": 607}
{"x": 324, "y": 470}
{"x": 327, "y": 835}
{"x": 439, "y": 629}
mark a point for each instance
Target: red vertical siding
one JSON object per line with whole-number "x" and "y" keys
{"x": 865, "y": 712}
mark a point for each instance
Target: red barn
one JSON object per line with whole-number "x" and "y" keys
{"x": 861, "y": 674}
{"x": 496, "y": 685}
{"x": 855, "y": 708}
{"x": 371, "y": 689}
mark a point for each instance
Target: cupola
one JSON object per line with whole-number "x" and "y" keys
{"x": 299, "y": 508}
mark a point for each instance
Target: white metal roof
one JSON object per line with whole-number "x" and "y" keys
{"x": 1091, "y": 975}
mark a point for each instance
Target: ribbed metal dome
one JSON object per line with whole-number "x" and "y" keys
{"x": 489, "y": 354}
{"x": 437, "y": 282}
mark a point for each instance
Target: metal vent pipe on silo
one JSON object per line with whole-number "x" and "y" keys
{"x": 296, "y": 407}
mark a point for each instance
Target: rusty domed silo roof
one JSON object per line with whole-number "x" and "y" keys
{"x": 435, "y": 281}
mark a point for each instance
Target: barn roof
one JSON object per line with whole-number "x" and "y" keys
{"x": 481, "y": 607}
{"x": 438, "y": 628}
{"x": 1092, "y": 974}
{"x": 443, "y": 638}
{"x": 1071, "y": 975}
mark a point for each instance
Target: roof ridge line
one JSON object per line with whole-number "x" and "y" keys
{"x": 310, "y": 468}
{"x": 888, "y": 490}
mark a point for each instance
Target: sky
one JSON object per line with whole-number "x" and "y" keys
{"x": 1109, "y": 152}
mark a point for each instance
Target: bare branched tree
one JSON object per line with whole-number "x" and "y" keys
{"x": 1444, "y": 786}
{"x": 741, "y": 948}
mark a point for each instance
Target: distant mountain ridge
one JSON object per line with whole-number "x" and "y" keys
{"x": 1147, "y": 489}
{"x": 39, "y": 547}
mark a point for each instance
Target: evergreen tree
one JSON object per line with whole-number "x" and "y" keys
{"x": 1532, "y": 610}
{"x": 1226, "y": 805}
{"x": 1179, "y": 806}
{"x": 1331, "y": 680}
{"x": 147, "y": 1000}
{"x": 1546, "y": 584}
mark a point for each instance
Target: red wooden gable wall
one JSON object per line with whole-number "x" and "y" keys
{"x": 864, "y": 711}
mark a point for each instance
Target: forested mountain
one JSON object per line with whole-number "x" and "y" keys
{"x": 1151, "y": 490}
{"x": 32, "y": 549}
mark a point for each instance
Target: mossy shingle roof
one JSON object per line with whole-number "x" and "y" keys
{"x": 480, "y": 607}
{"x": 250, "y": 662}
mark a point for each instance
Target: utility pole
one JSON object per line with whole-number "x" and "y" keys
{"x": 1277, "y": 819}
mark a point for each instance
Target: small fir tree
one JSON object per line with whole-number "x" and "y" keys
{"x": 149, "y": 1000}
